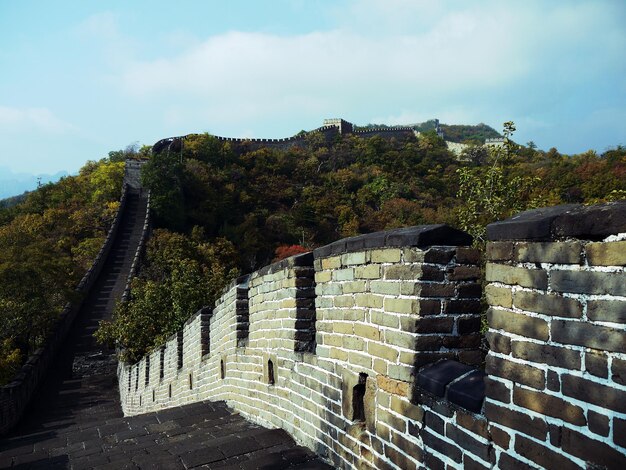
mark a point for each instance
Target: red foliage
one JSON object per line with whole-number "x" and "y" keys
{"x": 285, "y": 251}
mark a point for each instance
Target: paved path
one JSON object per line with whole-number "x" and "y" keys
{"x": 76, "y": 420}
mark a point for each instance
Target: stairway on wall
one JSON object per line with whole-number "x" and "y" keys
{"x": 76, "y": 421}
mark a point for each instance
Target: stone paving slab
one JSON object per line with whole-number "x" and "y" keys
{"x": 152, "y": 441}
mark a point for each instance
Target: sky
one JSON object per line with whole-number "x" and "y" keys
{"x": 79, "y": 79}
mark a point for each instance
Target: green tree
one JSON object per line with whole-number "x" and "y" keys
{"x": 491, "y": 193}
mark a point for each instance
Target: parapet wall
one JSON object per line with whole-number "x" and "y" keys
{"x": 365, "y": 350}
{"x": 328, "y": 131}
{"x": 15, "y": 396}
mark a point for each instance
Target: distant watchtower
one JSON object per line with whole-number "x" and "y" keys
{"x": 344, "y": 127}
{"x": 438, "y": 129}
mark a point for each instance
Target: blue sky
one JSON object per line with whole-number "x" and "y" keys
{"x": 81, "y": 78}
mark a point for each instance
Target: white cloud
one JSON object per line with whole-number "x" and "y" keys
{"x": 32, "y": 120}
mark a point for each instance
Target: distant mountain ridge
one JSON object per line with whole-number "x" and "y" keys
{"x": 14, "y": 184}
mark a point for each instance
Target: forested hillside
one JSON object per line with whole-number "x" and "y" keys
{"x": 47, "y": 242}
{"x": 225, "y": 210}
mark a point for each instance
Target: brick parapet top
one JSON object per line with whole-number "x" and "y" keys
{"x": 594, "y": 222}
{"x": 420, "y": 236}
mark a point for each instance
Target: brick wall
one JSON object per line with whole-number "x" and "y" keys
{"x": 366, "y": 351}
{"x": 556, "y": 392}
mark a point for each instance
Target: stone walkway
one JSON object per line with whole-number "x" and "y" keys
{"x": 76, "y": 420}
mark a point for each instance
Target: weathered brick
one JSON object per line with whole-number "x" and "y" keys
{"x": 472, "y": 357}
{"x": 345, "y": 274}
{"x": 548, "y": 304}
{"x": 353, "y": 287}
{"x": 473, "y": 424}
{"x": 471, "y": 290}
{"x": 434, "y": 422}
{"x": 541, "y": 455}
{"x": 533, "y": 278}
{"x": 367, "y": 331}
{"x": 393, "y": 386}
{"x": 433, "y": 324}
{"x": 469, "y": 325}
{"x": 499, "y": 437}
{"x": 323, "y": 276}
{"x": 598, "y": 423}
{"x": 619, "y": 431}
{"x": 470, "y": 464}
{"x": 466, "y": 255}
{"x": 546, "y": 354}
{"x": 607, "y": 310}
{"x": 382, "y": 351}
{"x": 407, "y": 447}
{"x": 596, "y": 363}
{"x": 467, "y": 442}
{"x": 606, "y": 253}
{"x": 618, "y": 371}
{"x": 499, "y": 296}
{"x": 385, "y": 287}
{"x": 596, "y": 453}
{"x": 588, "y": 335}
{"x": 524, "y": 325}
{"x": 553, "y": 381}
{"x": 433, "y": 463}
{"x": 343, "y": 327}
{"x": 588, "y": 282}
{"x": 401, "y": 305}
{"x": 593, "y": 392}
{"x": 497, "y": 390}
{"x": 429, "y": 306}
{"x": 548, "y": 252}
{"x": 549, "y": 405}
{"x": 464, "y": 273}
{"x": 400, "y": 338}
{"x": 331, "y": 263}
{"x": 433, "y": 289}
{"x": 497, "y": 251}
{"x": 422, "y": 358}
{"x": 461, "y": 342}
{"x": 428, "y": 342}
{"x": 508, "y": 462}
{"x": 358, "y": 359}
{"x": 384, "y": 319}
{"x": 388, "y": 255}
{"x": 392, "y": 421}
{"x": 352, "y": 342}
{"x": 441, "y": 446}
{"x": 438, "y": 255}
{"x": 349, "y": 259}
{"x": 462, "y": 306}
{"x": 406, "y": 408}
{"x": 516, "y": 372}
{"x": 498, "y": 342}
{"x": 535, "y": 427}
{"x": 368, "y": 300}
{"x": 370, "y": 271}
{"x": 403, "y": 271}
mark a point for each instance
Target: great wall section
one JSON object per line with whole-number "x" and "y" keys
{"x": 63, "y": 409}
{"x": 366, "y": 351}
